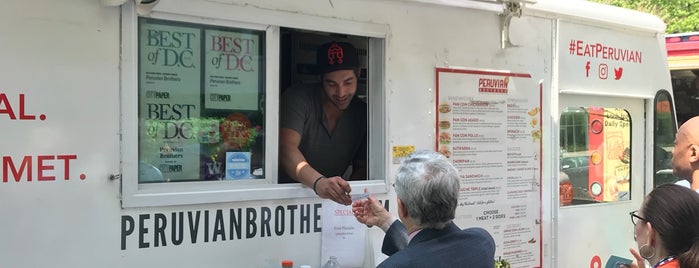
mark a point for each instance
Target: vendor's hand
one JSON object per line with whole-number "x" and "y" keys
{"x": 370, "y": 212}
{"x": 336, "y": 189}
{"x": 639, "y": 263}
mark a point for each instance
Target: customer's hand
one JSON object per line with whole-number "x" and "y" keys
{"x": 639, "y": 263}
{"x": 370, "y": 212}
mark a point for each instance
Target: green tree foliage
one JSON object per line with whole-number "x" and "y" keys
{"x": 679, "y": 15}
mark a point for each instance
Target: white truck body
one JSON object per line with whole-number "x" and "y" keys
{"x": 68, "y": 113}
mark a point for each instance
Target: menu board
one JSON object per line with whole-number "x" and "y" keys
{"x": 489, "y": 126}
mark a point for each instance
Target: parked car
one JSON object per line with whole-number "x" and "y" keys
{"x": 576, "y": 167}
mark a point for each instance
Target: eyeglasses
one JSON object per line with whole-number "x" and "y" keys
{"x": 635, "y": 218}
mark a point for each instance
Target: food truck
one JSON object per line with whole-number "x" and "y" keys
{"x": 144, "y": 133}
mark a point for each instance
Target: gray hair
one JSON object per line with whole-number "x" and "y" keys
{"x": 428, "y": 186}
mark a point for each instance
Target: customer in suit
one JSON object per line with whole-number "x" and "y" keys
{"x": 427, "y": 187}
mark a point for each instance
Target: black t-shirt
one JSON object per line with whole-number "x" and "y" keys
{"x": 328, "y": 153}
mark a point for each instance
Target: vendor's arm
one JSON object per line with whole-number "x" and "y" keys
{"x": 294, "y": 164}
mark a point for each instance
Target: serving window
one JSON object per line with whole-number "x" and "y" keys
{"x": 200, "y": 106}
{"x": 595, "y": 162}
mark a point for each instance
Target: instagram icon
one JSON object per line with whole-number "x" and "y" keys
{"x": 603, "y": 71}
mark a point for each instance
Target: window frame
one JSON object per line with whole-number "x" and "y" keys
{"x": 135, "y": 194}
{"x": 665, "y": 175}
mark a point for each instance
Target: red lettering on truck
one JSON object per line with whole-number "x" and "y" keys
{"x": 6, "y": 108}
{"x": 25, "y": 166}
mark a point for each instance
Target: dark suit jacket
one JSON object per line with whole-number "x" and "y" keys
{"x": 450, "y": 247}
